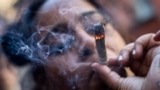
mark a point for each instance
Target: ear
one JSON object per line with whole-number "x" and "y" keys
{"x": 14, "y": 42}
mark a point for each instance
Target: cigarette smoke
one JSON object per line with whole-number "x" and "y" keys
{"x": 35, "y": 43}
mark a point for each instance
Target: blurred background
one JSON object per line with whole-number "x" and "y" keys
{"x": 131, "y": 18}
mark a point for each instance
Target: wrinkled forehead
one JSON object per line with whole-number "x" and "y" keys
{"x": 66, "y": 11}
{"x": 68, "y": 16}
{"x": 76, "y": 15}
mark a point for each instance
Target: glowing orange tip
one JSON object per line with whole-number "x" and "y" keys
{"x": 98, "y": 37}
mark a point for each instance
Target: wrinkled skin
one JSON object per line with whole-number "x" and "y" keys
{"x": 66, "y": 28}
{"x": 71, "y": 70}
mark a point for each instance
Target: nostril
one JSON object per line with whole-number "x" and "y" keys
{"x": 86, "y": 52}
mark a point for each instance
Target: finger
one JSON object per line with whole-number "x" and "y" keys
{"x": 112, "y": 61}
{"x": 155, "y": 66}
{"x": 157, "y": 36}
{"x": 111, "y": 78}
{"x": 154, "y": 74}
{"x": 144, "y": 42}
{"x": 125, "y": 54}
{"x": 143, "y": 70}
{"x": 148, "y": 41}
{"x": 138, "y": 50}
{"x": 135, "y": 67}
{"x": 114, "y": 81}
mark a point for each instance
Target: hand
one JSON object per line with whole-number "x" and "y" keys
{"x": 143, "y": 57}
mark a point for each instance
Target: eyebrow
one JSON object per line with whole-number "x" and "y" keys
{"x": 88, "y": 13}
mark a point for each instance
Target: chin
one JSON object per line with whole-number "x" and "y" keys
{"x": 55, "y": 39}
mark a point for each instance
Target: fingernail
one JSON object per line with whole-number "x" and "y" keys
{"x": 120, "y": 58}
{"x": 94, "y": 64}
{"x": 157, "y": 36}
{"x": 133, "y": 52}
{"x": 154, "y": 35}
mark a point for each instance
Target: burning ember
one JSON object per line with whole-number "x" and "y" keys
{"x": 100, "y": 42}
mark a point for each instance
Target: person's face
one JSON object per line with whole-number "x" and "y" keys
{"x": 66, "y": 28}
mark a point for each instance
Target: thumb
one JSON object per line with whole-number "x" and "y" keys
{"x": 155, "y": 66}
{"x": 152, "y": 81}
{"x": 114, "y": 81}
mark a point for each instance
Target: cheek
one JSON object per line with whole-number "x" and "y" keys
{"x": 111, "y": 53}
{"x": 113, "y": 39}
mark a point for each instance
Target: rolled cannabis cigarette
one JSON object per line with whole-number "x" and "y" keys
{"x": 100, "y": 42}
